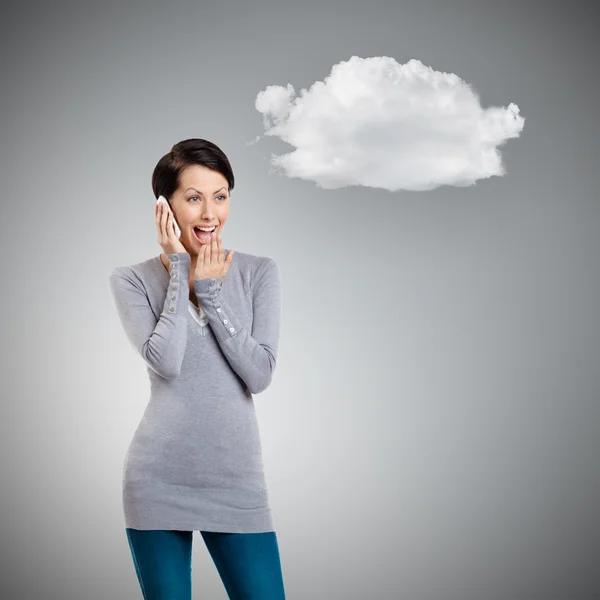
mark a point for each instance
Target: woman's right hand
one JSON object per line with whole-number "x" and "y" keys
{"x": 167, "y": 239}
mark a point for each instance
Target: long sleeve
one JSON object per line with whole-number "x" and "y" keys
{"x": 251, "y": 354}
{"x": 160, "y": 343}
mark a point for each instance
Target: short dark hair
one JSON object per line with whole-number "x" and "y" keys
{"x": 193, "y": 151}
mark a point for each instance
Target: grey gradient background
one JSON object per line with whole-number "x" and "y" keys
{"x": 431, "y": 432}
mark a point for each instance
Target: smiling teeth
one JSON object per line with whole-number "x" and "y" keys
{"x": 206, "y": 228}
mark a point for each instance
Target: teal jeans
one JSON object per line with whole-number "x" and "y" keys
{"x": 248, "y": 563}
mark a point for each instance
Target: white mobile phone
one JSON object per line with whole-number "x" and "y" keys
{"x": 163, "y": 200}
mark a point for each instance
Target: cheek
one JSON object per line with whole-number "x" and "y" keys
{"x": 184, "y": 215}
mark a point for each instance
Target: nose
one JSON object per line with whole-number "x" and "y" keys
{"x": 207, "y": 211}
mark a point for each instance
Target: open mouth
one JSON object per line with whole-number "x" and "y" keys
{"x": 203, "y": 236}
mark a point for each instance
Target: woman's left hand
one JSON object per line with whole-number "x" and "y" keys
{"x": 211, "y": 260}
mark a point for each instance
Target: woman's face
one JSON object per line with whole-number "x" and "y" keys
{"x": 201, "y": 200}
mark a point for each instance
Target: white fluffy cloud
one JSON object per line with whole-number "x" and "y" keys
{"x": 377, "y": 123}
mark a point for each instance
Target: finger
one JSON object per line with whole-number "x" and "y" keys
{"x": 159, "y": 221}
{"x": 170, "y": 224}
{"x": 199, "y": 264}
{"x": 221, "y": 249}
{"x": 170, "y": 227}
{"x": 213, "y": 249}
{"x": 163, "y": 220}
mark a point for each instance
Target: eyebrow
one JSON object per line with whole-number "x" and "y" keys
{"x": 199, "y": 192}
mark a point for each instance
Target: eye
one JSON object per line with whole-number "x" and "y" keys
{"x": 224, "y": 197}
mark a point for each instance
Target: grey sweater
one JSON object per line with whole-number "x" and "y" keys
{"x": 195, "y": 460}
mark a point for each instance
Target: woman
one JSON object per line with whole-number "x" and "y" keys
{"x": 205, "y": 320}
